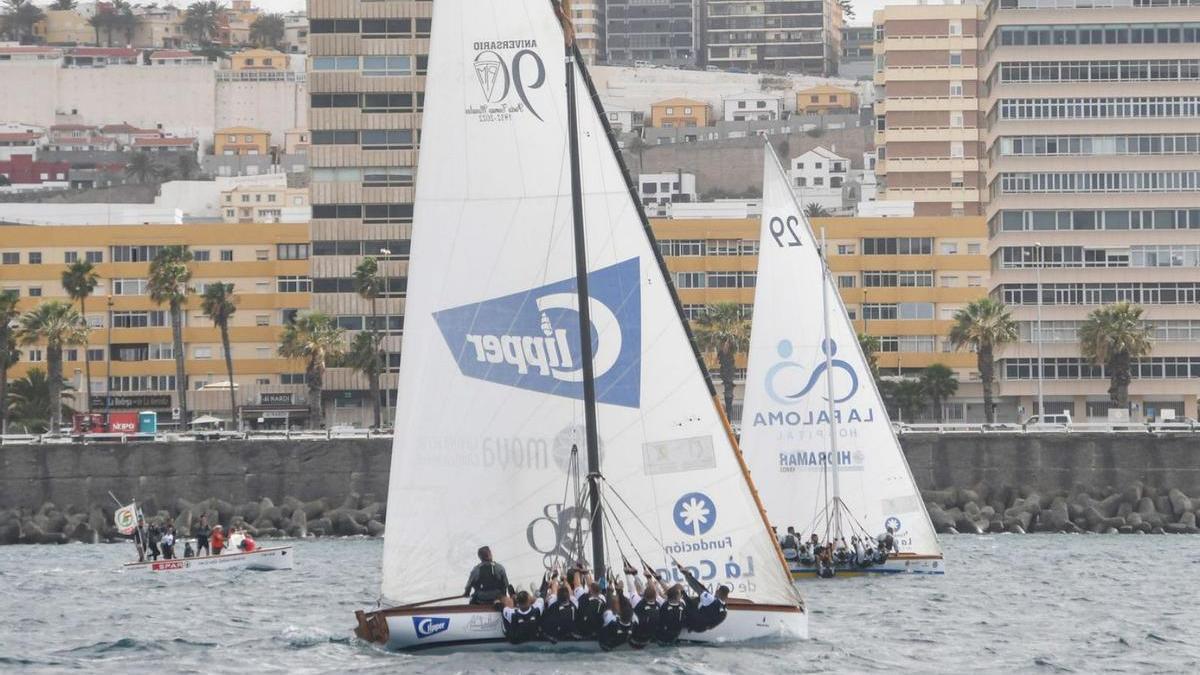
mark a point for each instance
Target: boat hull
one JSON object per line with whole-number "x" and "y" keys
{"x": 900, "y": 563}
{"x": 465, "y": 627}
{"x": 263, "y": 559}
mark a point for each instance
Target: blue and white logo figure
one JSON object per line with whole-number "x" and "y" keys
{"x": 695, "y": 514}
{"x": 530, "y": 340}
{"x": 429, "y": 625}
{"x": 781, "y": 380}
{"x": 892, "y": 523}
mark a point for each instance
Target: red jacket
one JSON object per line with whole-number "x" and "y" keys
{"x": 217, "y": 541}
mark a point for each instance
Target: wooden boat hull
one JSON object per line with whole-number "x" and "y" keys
{"x": 466, "y": 627}
{"x": 900, "y": 563}
{"x": 263, "y": 559}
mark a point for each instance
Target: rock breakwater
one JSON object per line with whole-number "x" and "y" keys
{"x": 50, "y": 524}
{"x": 1135, "y": 509}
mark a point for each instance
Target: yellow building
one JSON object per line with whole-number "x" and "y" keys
{"x": 241, "y": 141}
{"x": 268, "y": 264}
{"x": 679, "y": 112}
{"x": 825, "y": 99}
{"x": 901, "y": 280}
{"x": 259, "y": 59}
{"x": 64, "y": 27}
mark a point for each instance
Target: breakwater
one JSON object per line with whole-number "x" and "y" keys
{"x": 993, "y": 482}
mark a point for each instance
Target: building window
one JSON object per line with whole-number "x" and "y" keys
{"x": 35, "y": 291}
{"x": 262, "y": 319}
{"x": 35, "y": 258}
{"x": 10, "y": 258}
{"x": 847, "y": 281}
{"x": 291, "y": 251}
{"x": 293, "y": 284}
{"x": 226, "y": 255}
{"x": 262, "y": 254}
{"x": 70, "y": 257}
{"x": 202, "y": 255}
{"x": 95, "y": 257}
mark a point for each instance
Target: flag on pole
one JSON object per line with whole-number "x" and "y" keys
{"x": 126, "y": 518}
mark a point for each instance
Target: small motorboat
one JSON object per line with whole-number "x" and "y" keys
{"x": 262, "y": 559}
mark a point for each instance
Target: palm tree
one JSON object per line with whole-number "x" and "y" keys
{"x": 910, "y": 398}
{"x": 939, "y": 384}
{"x": 79, "y": 280}
{"x": 19, "y": 18}
{"x": 124, "y": 19}
{"x": 637, "y": 145}
{"x": 315, "y": 338}
{"x": 982, "y": 326}
{"x": 870, "y": 349}
{"x": 1113, "y": 336}
{"x": 8, "y": 352}
{"x": 57, "y": 324}
{"x": 268, "y": 30}
{"x": 141, "y": 167}
{"x": 187, "y": 166}
{"x": 815, "y": 210}
{"x": 63, "y": 5}
{"x": 168, "y": 283}
{"x": 723, "y": 331}
{"x": 102, "y": 20}
{"x": 28, "y": 401}
{"x": 368, "y": 284}
{"x": 202, "y": 20}
{"x": 365, "y": 357}
{"x": 217, "y": 303}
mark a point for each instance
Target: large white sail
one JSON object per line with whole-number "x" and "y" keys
{"x": 490, "y": 381}
{"x": 785, "y": 418}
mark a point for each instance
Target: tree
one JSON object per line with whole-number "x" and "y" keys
{"x": 56, "y": 324}
{"x": 124, "y": 19}
{"x": 141, "y": 167}
{"x": 637, "y": 145}
{"x": 723, "y": 331}
{"x": 847, "y": 8}
{"x": 369, "y": 285}
{"x": 63, "y": 5}
{"x": 103, "y": 19}
{"x": 79, "y": 280}
{"x": 203, "y": 19}
{"x": 365, "y": 357}
{"x": 869, "y": 344}
{"x": 1113, "y": 336}
{"x": 316, "y": 339}
{"x": 815, "y": 210}
{"x": 268, "y": 30}
{"x": 939, "y": 384}
{"x": 218, "y": 304}
{"x": 982, "y": 326}
{"x": 910, "y": 398}
{"x": 187, "y": 166}
{"x": 19, "y": 18}
{"x": 9, "y": 354}
{"x": 28, "y": 402}
{"x": 168, "y": 283}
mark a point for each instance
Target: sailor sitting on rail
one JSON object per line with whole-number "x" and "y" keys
{"x": 646, "y": 602}
{"x": 521, "y": 622}
{"x": 707, "y": 611}
{"x": 488, "y": 580}
{"x": 887, "y": 541}
{"x": 560, "y": 613}
{"x": 617, "y": 625}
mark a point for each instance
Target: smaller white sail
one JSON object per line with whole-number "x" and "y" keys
{"x": 786, "y": 420}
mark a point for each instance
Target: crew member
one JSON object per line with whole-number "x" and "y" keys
{"x": 887, "y": 541}
{"x": 707, "y": 611}
{"x": 521, "y": 621}
{"x": 202, "y": 532}
{"x": 618, "y": 625}
{"x": 248, "y": 545}
{"x": 139, "y": 538}
{"x": 592, "y": 606}
{"x": 217, "y": 540}
{"x": 672, "y": 616}
{"x": 646, "y": 602}
{"x": 560, "y": 614}
{"x": 488, "y": 580}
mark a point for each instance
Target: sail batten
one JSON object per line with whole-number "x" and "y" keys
{"x": 807, "y": 380}
{"x": 491, "y": 396}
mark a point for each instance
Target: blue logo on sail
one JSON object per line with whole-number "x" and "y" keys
{"x": 530, "y": 339}
{"x": 695, "y": 514}
{"x": 829, "y": 347}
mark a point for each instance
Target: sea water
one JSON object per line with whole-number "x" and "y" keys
{"x": 1033, "y": 603}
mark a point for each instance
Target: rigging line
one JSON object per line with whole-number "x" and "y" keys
{"x": 637, "y": 518}
{"x": 621, "y": 525}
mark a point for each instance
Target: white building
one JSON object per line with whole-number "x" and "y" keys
{"x": 20, "y": 139}
{"x": 753, "y": 106}
{"x": 658, "y": 191}
{"x": 624, "y": 121}
{"x": 817, "y": 177}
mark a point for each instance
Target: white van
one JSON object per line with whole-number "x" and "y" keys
{"x": 1052, "y": 421}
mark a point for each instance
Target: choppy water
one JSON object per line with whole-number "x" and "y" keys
{"x": 1037, "y": 603}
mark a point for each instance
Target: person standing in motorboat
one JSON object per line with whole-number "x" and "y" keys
{"x": 168, "y": 540}
{"x": 488, "y": 581}
{"x": 139, "y": 538}
{"x": 217, "y": 540}
{"x": 706, "y": 610}
{"x": 153, "y": 537}
{"x": 202, "y": 532}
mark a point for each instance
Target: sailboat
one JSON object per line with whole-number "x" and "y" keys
{"x": 514, "y": 431}
{"x": 814, "y": 429}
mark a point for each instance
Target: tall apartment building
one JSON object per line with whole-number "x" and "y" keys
{"x": 588, "y": 19}
{"x": 367, "y": 62}
{"x": 927, "y": 114}
{"x": 664, "y": 32}
{"x": 1074, "y": 129}
{"x": 1093, "y": 190}
{"x": 903, "y": 289}
{"x": 131, "y": 350}
{"x": 755, "y": 35}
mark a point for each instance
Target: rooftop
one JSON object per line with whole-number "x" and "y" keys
{"x": 126, "y": 52}
{"x": 680, "y": 101}
{"x": 163, "y": 142}
{"x": 172, "y": 54}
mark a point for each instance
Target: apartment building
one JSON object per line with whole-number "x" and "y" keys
{"x": 661, "y": 33}
{"x": 131, "y": 350}
{"x": 588, "y": 19}
{"x": 679, "y": 113}
{"x": 264, "y": 203}
{"x": 903, "y": 290}
{"x": 776, "y": 35}
{"x": 928, "y": 125}
{"x": 1093, "y": 192}
{"x": 367, "y": 63}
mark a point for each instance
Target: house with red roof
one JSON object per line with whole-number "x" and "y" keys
{"x": 24, "y": 170}
{"x": 20, "y": 139}
{"x": 99, "y": 57}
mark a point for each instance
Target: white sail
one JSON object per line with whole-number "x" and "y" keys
{"x": 785, "y": 419}
{"x": 490, "y": 386}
